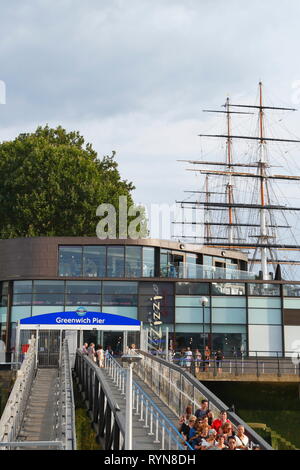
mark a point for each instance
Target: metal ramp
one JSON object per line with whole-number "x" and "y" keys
{"x": 40, "y": 418}
{"x": 153, "y": 423}
{"x": 40, "y": 411}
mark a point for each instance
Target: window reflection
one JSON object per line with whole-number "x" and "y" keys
{"x": 94, "y": 261}
{"x": 81, "y": 299}
{"x": 133, "y": 262}
{"x": 115, "y": 261}
{"x": 148, "y": 262}
{"x": 70, "y": 261}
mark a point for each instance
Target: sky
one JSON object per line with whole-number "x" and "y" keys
{"x": 133, "y": 76}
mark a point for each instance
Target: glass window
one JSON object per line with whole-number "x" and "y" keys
{"x": 89, "y": 308}
{"x": 3, "y": 301}
{"x": 119, "y": 299}
{"x": 114, "y": 287}
{"x": 264, "y": 289}
{"x": 3, "y": 315}
{"x": 133, "y": 261}
{"x": 187, "y": 329}
{"x": 94, "y": 261}
{"x": 231, "y": 315}
{"x": 156, "y": 288}
{"x": 229, "y": 302}
{"x": 164, "y": 263}
{"x": 22, "y": 287}
{"x": 232, "y": 344}
{"x": 22, "y": 299}
{"x": 48, "y": 299}
{"x": 43, "y": 309}
{"x": 192, "y": 315}
{"x": 190, "y": 301}
{"x": 262, "y": 316}
{"x": 83, "y": 287}
{"x": 259, "y": 302}
{"x": 130, "y": 312}
{"x": 17, "y": 313}
{"x": 51, "y": 287}
{"x": 115, "y": 261}
{"x": 4, "y": 288}
{"x": 192, "y": 288}
{"x": 207, "y": 260}
{"x": 228, "y": 288}
{"x": 83, "y": 299}
{"x": 291, "y": 303}
{"x": 148, "y": 262}
{"x": 291, "y": 290}
{"x": 70, "y": 261}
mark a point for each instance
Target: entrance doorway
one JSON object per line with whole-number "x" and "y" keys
{"x": 48, "y": 348}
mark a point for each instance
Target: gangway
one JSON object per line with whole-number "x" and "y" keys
{"x": 40, "y": 412}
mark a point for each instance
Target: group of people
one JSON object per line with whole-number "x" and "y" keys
{"x": 202, "y": 431}
{"x": 97, "y": 354}
{"x": 201, "y": 362}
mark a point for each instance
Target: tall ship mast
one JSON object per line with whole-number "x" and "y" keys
{"x": 250, "y": 223}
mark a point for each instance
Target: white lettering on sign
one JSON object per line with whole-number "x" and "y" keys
{"x": 73, "y": 320}
{"x": 99, "y": 320}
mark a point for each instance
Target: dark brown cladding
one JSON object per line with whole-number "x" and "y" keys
{"x": 37, "y": 258}
{"x": 291, "y": 317}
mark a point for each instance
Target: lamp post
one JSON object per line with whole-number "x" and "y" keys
{"x": 129, "y": 360}
{"x": 204, "y": 301}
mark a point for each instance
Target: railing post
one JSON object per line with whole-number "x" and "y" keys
{"x": 257, "y": 365}
{"x": 278, "y": 364}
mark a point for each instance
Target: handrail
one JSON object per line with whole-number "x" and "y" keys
{"x": 13, "y": 413}
{"x": 178, "y": 388}
{"x": 159, "y": 425}
{"x": 110, "y": 425}
{"x": 67, "y": 405}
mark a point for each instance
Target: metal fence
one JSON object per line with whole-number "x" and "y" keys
{"x": 103, "y": 409}
{"x": 257, "y": 365}
{"x": 178, "y": 388}
{"x": 66, "y": 430}
{"x": 159, "y": 426}
{"x": 14, "y": 412}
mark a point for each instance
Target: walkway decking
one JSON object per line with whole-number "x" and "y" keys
{"x": 140, "y": 438}
{"x": 40, "y": 418}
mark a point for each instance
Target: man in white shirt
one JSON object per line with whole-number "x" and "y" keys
{"x": 242, "y": 441}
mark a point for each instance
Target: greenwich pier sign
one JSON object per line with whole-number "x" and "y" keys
{"x": 81, "y": 318}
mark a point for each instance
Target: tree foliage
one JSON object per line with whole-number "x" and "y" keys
{"x": 52, "y": 183}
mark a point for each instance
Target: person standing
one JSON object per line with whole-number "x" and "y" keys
{"x": 100, "y": 356}
{"x": 198, "y": 357}
{"x": 188, "y": 358}
{"x": 219, "y": 356}
{"x": 91, "y": 351}
{"x": 206, "y": 358}
{"x": 85, "y": 348}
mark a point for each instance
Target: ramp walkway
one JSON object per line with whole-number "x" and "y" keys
{"x": 40, "y": 418}
{"x": 40, "y": 411}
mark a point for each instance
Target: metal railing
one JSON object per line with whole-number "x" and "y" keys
{"x": 199, "y": 271}
{"x": 258, "y": 363}
{"x": 160, "y": 427}
{"x": 102, "y": 408}
{"x": 13, "y": 413}
{"x": 178, "y": 389}
{"x": 66, "y": 404}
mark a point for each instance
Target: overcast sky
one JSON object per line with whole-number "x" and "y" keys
{"x": 134, "y": 75}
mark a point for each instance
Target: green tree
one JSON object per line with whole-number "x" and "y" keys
{"x": 52, "y": 183}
